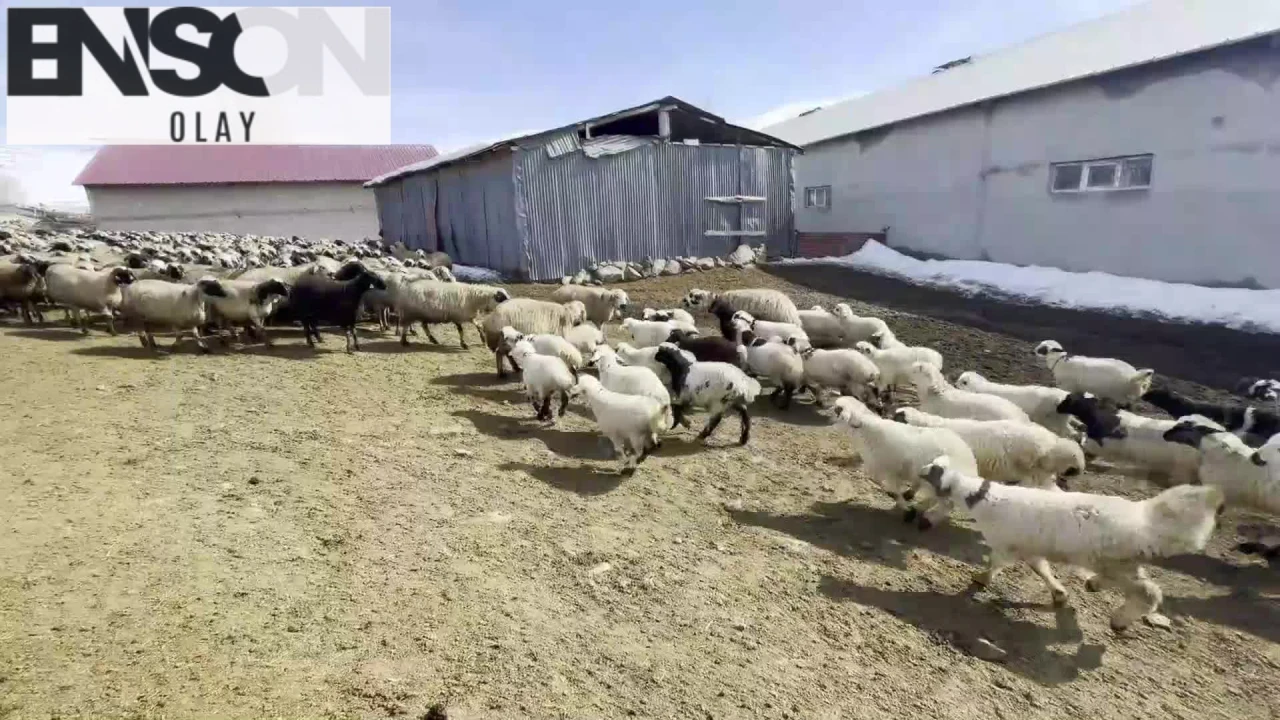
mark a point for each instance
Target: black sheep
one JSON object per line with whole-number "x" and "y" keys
{"x": 318, "y": 299}
{"x": 709, "y": 349}
{"x": 1253, "y": 426}
{"x": 723, "y": 312}
{"x": 1100, "y": 417}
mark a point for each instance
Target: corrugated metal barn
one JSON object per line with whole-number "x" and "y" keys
{"x": 663, "y": 179}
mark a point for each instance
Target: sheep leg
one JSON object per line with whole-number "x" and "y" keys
{"x": 712, "y": 424}
{"x": 564, "y": 402}
{"x": 997, "y": 560}
{"x": 746, "y": 424}
{"x": 307, "y": 332}
{"x": 502, "y": 371}
{"x": 1041, "y": 567}
{"x": 426, "y": 327}
{"x": 787, "y": 391}
{"x": 204, "y": 349}
{"x": 627, "y": 452}
{"x": 73, "y": 317}
{"x": 355, "y": 339}
{"x": 462, "y": 337}
{"x": 1142, "y": 596}
{"x": 111, "y": 322}
{"x": 349, "y": 334}
{"x": 650, "y": 445}
{"x": 261, "y": 332}
{"x": 544, "y": 410}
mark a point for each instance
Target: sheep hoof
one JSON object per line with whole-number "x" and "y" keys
{"x": 1059, "y": 598}
{"x": 924, "y": 523}
{"x": 910, "y": 515}
{"x": 627, "y": 471}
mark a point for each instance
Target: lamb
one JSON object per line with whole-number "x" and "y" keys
{"x": 1108, "y": 378}
{"x": 710, "y": 349}
{"x": 1264, "y": 389}
{"x": 319, "y": 298}
{"x": 1252, "y": 425}
{"x": 714, "y": 386}
{"x": 677, "y": 314}
{"x": 1009, "y": 451}
{"x": 646, "y": 357}
{"x": 543, "y": 376}
{"x": 778, "y": 362}
{"x": 631, "y": 380}
{"x": 648, "y": 333}
{"x": 157, "y": 270}
{"x": 941, "y": 398}
{"x": 846, "y": 371}
{"x": 1132, "y": 442}
{"x": 824, "y": 329}
{"x": 433, "y": 301}
{"x": 248, "y": 303}
{"x": 586, "y": 337}
{"x": 547, "y": 344}
{"x": 632, "y": 423}
{"x": 893, "y": 362}
{"x": 1110, "y": 535}
{"x": 97, "y": 291}
{"x": 531, "y": 317}
{"x": 1247, "y": 477}
{"x": 1040, "y": 403}
{"x": 160, "y": 303}
{"x": 602, "y": 303}
{"x": 786, "y": 332}
{"x": 856, "y": 328}
{"x": 23, "y": 284}
{"x": 891, "y": 454}
{"x": 762, "y": 303}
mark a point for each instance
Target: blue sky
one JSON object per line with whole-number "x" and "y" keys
{"x": 467, "y": 72}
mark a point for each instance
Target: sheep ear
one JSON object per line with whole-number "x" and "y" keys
{"x": 1146, "y": 373}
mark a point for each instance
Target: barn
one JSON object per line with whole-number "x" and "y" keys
{"x": 663, "y": 179}
{"x": 1144, "y": 143}
{"x": 311, "y": 191}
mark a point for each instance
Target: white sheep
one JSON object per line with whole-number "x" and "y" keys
{"x": 677, "y": 314}
{"x": 848, "y": 372}
{"x": 648, "y": 333}
{"x": 716, "y": 387}
{"x": 786, "y": 332}
{"x": 543, "y": 377}
{"x": 762, "y": 303}
{"x": 646, "y": 357}
{"x": 1115, "y": 380}
{"x": 631, "y": 380}
{"x": 1142, "y": 450}
{"x": 531, "y": 317}
{"x": 548, "y": 344}
{"x": 857, "y": 328}
{"x": 247, "y": 303}
{"x": 632, "y": 423}
{"x": 1040, "y": 403}
{"x": 586, "y": 337}
{"x": 1009, "y": 451}
{"x": 433, "y": 301}
{"x": 163, "y": 304}
{"x": 823, "y": 328}
{"x": 891, "y": 454}
{"x": 777, "y": 362}
{"x": 1248, "y": 478}
{"x": 91, "y": 291}
{"x": 940, "y": 397}
{"x": 894, "y": 362}
{"x": 1111, "y": 536}
{"x": 443, "y": 274}
{"x": 602, "y": 303}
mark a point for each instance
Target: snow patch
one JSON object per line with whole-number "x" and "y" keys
{"x": 1241, "y": 309}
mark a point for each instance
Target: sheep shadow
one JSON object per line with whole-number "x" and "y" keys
{"x": 1245, "y": 611}
{"x": 868, "y": 534}
{"x": 127, "y": 352}
{"x": 393, "y": 347}
{"x": 806, "y": 414}
{"x": 577, "y": 444}
{"x": 679, "y": 447}
{"x": 584, "y": 480}
{"x": 1223, "y": 573}
{"x": 279, "y": 350}
{"x": 48, "y": 332}
{"x": 960, "y": 619}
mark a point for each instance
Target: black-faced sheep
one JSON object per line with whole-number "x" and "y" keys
{"x": 80, "y": 290}
{"x": 714, "y": 386}
{"x": 1252, "y": 425}
{"x": 760, "y": 302}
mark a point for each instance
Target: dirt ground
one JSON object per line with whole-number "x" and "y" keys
{"x": 282, "y": 533}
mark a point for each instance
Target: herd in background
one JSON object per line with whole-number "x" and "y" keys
{"x": 1004, "y": 454}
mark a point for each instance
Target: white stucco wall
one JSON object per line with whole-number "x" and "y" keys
{"x": 343, "y": 211}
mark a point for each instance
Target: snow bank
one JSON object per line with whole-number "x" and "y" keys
{"x": 1251, "y": 310}
{"x": 480, "y": 275}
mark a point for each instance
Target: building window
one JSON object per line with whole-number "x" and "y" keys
{"x": 1123, "y": 173}
{"x": 817, "y": 197}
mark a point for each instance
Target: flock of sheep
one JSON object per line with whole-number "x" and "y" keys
{"x": 1004, "y": 454}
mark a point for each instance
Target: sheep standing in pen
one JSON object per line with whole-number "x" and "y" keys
{"x": 1134, "y": 443}
{"x": 710, "y": 349}
{"x": 1115, "y": 380}
{"x": 786, "y": 332}
{"x": 586, "y": 337}
{"x": 79, "y": 290}
{"x": 1040, "y": 403}
{"x": 162, "y": 304}
{"x": 318, "y": 299}
{"x": 713, "y": 386}
{"x": 247, "y": 303}
{"x": 1252, "y": 425}
{"x": 856, "y": 328}
{"x": 632, "y": 423}
{"x": 848, "y": 372}
{"x": 778, "y": 362}
{"x": 891, "y": 453}
{"x": 647, "y": 357}
{"x": 824, "y": 329}
{"x": 1111, "y": 536}
{"x": 631, "y": 380}
{"x": 680, "y": 316}
{"x": 530, "y": 317}
{"x": 894, "y": 363}
{"x": 760, "y": 302}
{"x": 432, "y": 301}
{"x": 648, "y": 333}
{"x": 1245, "y": 476}
{"x": 547, "y": 344}
{"x": 543, "y": 377}
{"x": 22, "y": 283}
{"x": 1009, "y": 451}
{"x": 602, "y": 303}
{"x": 939, "y": 397}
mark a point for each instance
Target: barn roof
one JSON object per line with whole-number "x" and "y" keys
{"x": 229, "y": 164}
{"x": 1146, "y": 33}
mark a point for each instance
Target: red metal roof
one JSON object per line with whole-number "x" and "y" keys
{"x": 214, "y": 164}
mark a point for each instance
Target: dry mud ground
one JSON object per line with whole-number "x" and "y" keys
{"x": 294, "y": 534}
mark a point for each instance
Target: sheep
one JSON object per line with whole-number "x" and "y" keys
{"x": 778, "y": 362}
{"x": 648, "y": 333}
{"x": 1105, "y": 377}
{"x": 23, "y": 284}
{"x": 786, "y": 332}
{"x": 714, "y": 386}
{"x": 547, "y": 344}
{"x": 161, "y": 271}
{"x": 631, "y": 380}
{"x": 1247, "y": 477}
{"x": 846, "y": 371}
{"x": 1009, "y": 451}
{"x": 443, "y": 274}
{"x": 248, "y": 303}
{"x": 723, "y": 312}
{"x": 856, "y": 328}
{"x": 762, "y": 303}
{"x": 318, "y": 298}
{"x": 631, "y": 423}
{"x": 602, "y": 303}
{"x": 893, "y": 362}
{"x": 97, "y": 291}
{"x": 586, "y": 337}
{"x": 433, "y": 301}
{"x": 1264, "y": 389}
{"x": 160, "y": 303}
{"x": 543, "y": 377}
{"x": 1040, "y": 403}
{"x": 290, "y": 275}
{"x": 823, "y": 329}
{"x": 682, "y": 317}
{"x": 710, "y": 349}
{"x": 1252, "y": 425}
{"x": 531, "y": 317}
{"x": 1132, "y": 442}
{"x": 941, "y": 398}
{"x": 646, "y": 357}
{"x": 1109, "y": 535}
{"x": 891, "y": 453}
